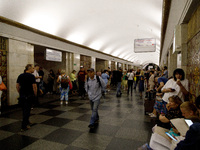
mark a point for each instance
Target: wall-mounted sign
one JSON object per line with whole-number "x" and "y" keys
{"x": 144, "y": 45}
{"x": 53, "y": 55}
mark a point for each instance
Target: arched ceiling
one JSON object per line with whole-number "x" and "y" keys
{"x": 110, "y": 26}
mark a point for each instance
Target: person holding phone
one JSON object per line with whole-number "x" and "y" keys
{"x": 178, "y": 85}
{"x": 192, "y": 138}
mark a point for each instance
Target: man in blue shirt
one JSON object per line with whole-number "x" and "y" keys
{"x": 161, "y": 82}
{"x": 94, "y": 86}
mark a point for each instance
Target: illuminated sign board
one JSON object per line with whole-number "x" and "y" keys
{"x": 144, "y": 45}
{"x": 53, "y": 55}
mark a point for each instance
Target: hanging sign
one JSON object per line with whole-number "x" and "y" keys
{"x": 53, "y": 55}
{"x": 144, "y": 45}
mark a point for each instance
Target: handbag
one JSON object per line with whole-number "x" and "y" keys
{"x": 2, "y": 86}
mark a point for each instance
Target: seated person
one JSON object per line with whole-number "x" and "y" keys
{"x": 188, "y": 110}
{"x": 174, "y": 111}
{"x": 192, "y": 138}
{"x": 178, "y": 85}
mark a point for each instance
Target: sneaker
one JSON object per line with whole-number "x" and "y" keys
{"x": 150, "y": 114}
{"x": 66, "y": 102}
{"x": 153, "y": 116}
{"x": 91, "y": 126}
{"x": 61, "y": 102}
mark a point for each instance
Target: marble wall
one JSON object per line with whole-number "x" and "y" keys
{"x": 19, "y": 55}
{"x": 193, "y": 57}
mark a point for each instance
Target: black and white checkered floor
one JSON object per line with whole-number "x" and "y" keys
{"x": 122, "y": 125}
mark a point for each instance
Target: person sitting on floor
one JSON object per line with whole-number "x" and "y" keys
{"x": 174, "y": 111}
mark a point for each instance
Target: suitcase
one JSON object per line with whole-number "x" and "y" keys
{"x": 149, "y": 102}
{"x": 148, "y": 106}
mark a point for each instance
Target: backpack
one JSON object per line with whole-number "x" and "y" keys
{"x": 64, "y": 82}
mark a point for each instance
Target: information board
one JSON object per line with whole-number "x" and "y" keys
{"x": 53, "y": 55}
{"x": 144, "y": 45}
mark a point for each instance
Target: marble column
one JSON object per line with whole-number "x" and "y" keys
{"x": 76, "y": 62}
{"x": 184, "y": 51}
{"x": 93, "y": 62}
{"x": 172, "y": 62}
{"x": 19, "y": 55}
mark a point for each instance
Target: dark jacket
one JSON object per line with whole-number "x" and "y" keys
{"x": 192, "y": 139}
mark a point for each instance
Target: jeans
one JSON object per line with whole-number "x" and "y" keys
{"x": 130, "y": 85}
{"x": 118, "y": 88}
{"x": 94, "y": 107}
{"x": 64, "y": 94}
{"x": 26, "y": 103}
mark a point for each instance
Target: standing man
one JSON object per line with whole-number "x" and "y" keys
{"x": 27, "y": 89}
{"x": 137, "y": 78}
{"x": 119, "y": 76}
{"x": 37, "y": 79}
{"x": 93, "y": 86}
{"x": 81, "y": 81}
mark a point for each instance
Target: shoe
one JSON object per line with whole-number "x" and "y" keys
{"x": 30, "y": 124}
{"x": 24, "y": 129}
{"x": 153, "y": 116}
{"x": 91, "y": 126}
{"x": 61, "y": 102}
{"x": 150, "y": 114}
{"x": 66, "y": 102}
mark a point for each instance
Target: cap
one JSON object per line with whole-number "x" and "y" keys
{"x": 91, "y": 69}
{"x": 81, "y": 66}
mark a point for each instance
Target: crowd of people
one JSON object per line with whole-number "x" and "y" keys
{"x": 171, "y": 98}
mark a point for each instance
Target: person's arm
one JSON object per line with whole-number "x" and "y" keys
{"x": 58, "y": 80}
{"x": 163, "y": 119}
{"x": 183, "y": 90}
{"x": 18, "y": 87}
{"x": 165, "y": 88}
{"x": 35, "y": 89}
{"x": 160, "y": 86}
{"x": 103, "y": 84}
{"x": 86, "y": 83}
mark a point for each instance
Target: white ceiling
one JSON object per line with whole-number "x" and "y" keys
{"x": 109, "y": 26}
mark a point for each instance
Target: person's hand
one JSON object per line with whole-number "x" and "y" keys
{"x": 178, "y": 82}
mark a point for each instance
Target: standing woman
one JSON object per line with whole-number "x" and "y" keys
{"x": 130, "y": 76}
{"x": 141, "y": 84}
{"x": 125, "y": 80}
{"x": 105, "y": 76}
{"x": 73, "y": 80}
{"x": 51, "y": 78}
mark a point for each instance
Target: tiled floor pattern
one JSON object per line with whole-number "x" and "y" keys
{"x": 122, "y": 126}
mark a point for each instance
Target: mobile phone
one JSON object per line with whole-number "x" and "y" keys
{"x": 171, "y": 136}
{"x": 173, "y": 89}
{"x": 188, "y": 122}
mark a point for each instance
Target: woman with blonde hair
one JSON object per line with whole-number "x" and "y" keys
{"x": 64, "y": 85}
{"x": 125, "y": 80}
{"x": 188, "y": 109}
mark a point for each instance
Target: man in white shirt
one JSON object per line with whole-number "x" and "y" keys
{"x": 37, "y": 79}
